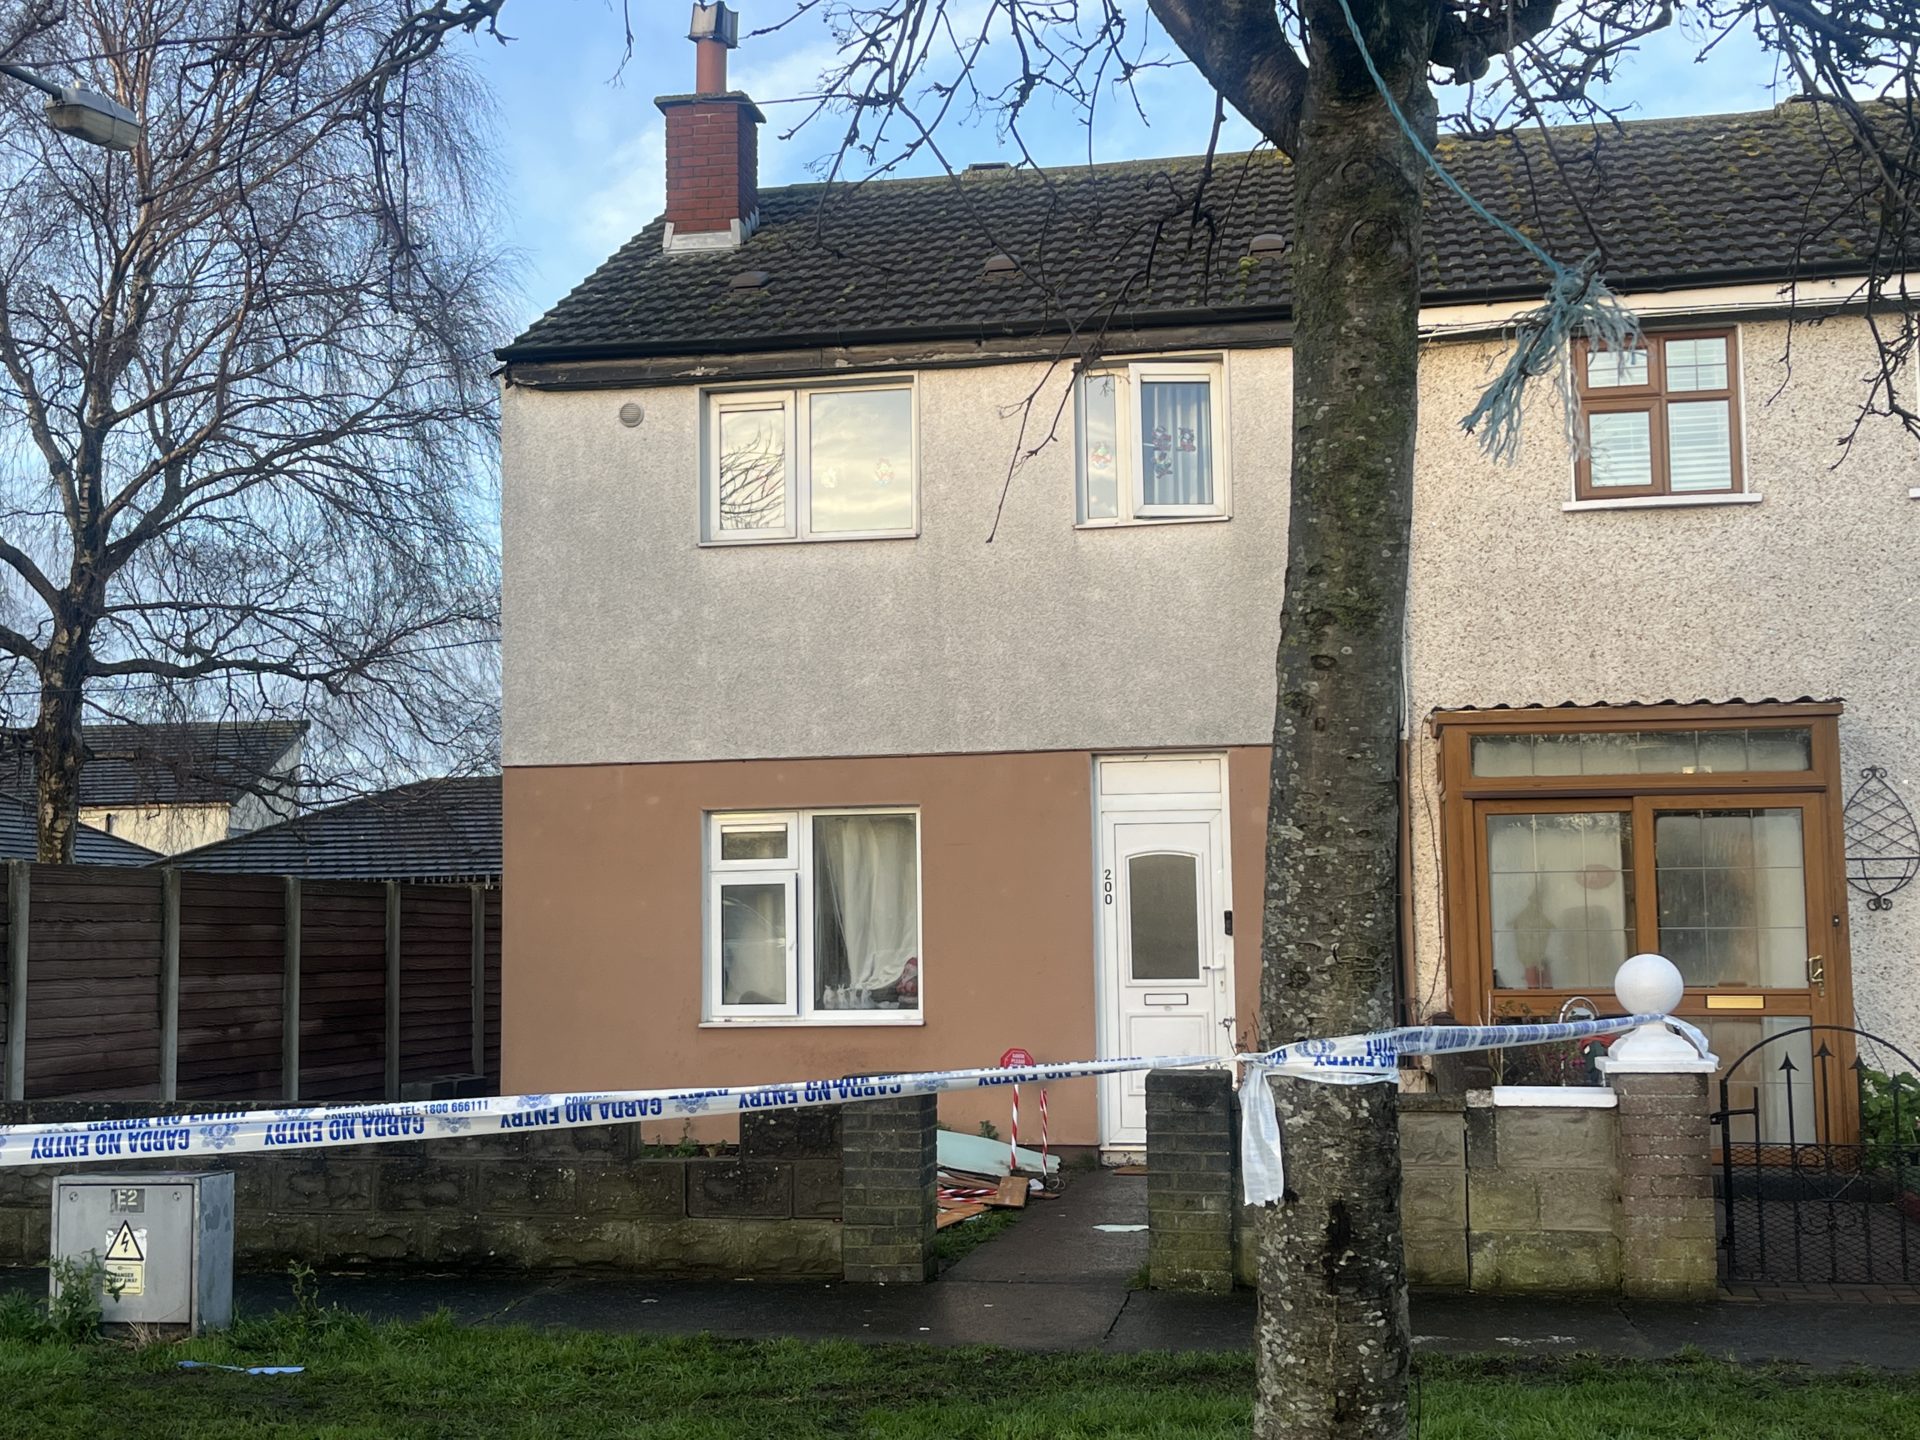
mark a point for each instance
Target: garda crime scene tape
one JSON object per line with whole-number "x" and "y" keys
{"x": 1372, "y": 1058}
{"x": 1342, "y": 1060}
{"x": 242, "y": 1132}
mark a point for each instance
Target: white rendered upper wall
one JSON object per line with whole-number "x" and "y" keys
{"x": 626, "y": 640}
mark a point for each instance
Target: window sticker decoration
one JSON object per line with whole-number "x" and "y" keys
{"x": 883, "y": 472}
{"x": 1162, "y": 452}
{"x": 1883, "y": 843}
{"x": 1100, "y": 456}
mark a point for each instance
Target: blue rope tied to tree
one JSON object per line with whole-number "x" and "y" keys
{"x": 1578, "y": 302}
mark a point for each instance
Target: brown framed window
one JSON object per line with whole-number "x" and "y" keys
{"x": 1660, "y": 420}
{"x": 1710, "y": 834}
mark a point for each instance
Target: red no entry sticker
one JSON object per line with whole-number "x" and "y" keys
{"x": 1016, "y": 1057}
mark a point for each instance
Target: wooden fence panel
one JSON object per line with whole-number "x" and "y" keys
{"x": 96, "y": 988}
{"x": 343, "y": 991}
{"x": 93, "y": 983}
{"x": 6, "y": 989}
{"x": 493, "y": 991}
{"x": 436, "y": 981}
{"x": 232, "y": 957}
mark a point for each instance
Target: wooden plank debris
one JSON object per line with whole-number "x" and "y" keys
{"x": 958, "y": 1213}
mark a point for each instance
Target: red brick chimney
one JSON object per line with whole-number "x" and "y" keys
{"x": 713, "y": 188}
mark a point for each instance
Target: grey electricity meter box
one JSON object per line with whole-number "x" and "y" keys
{"x": 166, "y": 1239}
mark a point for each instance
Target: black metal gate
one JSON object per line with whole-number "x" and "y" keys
{"x": 1796, "y": 1207}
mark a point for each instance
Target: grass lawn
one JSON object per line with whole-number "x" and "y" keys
{"x": 438, "y": 1379}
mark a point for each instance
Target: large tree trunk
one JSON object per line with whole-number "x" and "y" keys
{"x": 58, "y": 752}
{"x": 1332, "y": 1340}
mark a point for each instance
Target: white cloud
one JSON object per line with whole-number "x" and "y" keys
{"x": 629, "y": 189}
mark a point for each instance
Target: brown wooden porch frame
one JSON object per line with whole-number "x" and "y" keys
{"x": 1469, "y": 968}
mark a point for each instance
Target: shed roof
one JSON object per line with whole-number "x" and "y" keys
{"x": 446, "y": 829}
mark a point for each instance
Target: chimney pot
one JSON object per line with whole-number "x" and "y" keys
{"x": 714, "y": 31}
{"x": 718, "y": 22}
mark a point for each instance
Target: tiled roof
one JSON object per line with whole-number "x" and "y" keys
{"x": 184, "y": 764}
{"x": 1717, "y": 198}
{"x": 446, "y": 829}
{"x": 19, "y": 835}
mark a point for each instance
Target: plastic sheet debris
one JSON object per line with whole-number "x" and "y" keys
{"x": 244, "y": 1369}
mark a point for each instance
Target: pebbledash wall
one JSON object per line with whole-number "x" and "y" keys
{"x": 810, "y": 1193}
{"x": 979, "y": 681}
{"x": 1810, "y": 592}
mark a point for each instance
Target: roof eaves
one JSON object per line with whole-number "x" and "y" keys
{"x": 896, "y": 334}
{"x": 1644, "y": 284}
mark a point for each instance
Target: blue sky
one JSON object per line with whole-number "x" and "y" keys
{"x": 581, "y": 142}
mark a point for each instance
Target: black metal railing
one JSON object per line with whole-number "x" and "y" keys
{"x": 1801, "y": 1208}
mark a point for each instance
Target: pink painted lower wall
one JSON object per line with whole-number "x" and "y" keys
{"x": 601, "y": 974}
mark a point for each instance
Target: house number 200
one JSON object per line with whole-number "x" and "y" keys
{"x": 1106, "y": 886}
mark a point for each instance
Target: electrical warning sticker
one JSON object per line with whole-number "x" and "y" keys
{"x": 126, "y": 1260}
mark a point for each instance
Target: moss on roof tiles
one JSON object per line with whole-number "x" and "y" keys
{"x": 903, "y": 256}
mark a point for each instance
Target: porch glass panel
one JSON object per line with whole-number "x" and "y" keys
{"x": 1561, "y": 892}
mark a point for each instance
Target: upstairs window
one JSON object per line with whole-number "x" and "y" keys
{"x": 1152, "y": 443}
{"x": 1660, "y": 420}
{"x": 830, "y": 463}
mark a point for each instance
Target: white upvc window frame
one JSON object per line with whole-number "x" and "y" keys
{"x": 791, "y": 401}
{"x": 1131, "y": 377}
{"x": 747, "y": 402}
{"x": 797, "y": 872}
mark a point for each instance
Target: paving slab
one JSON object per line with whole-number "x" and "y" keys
{"x": 1059, "y": 1239}
{"x": 1158, "y": 1320}
{"x": 1054, "y": 1281}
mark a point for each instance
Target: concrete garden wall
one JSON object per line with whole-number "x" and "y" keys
{"x": 1578, "y": 1191}
{"x": 1509, "y": 1198}
{"x": 592, "y": 1196}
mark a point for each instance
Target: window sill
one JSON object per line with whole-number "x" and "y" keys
{"x": 1151, "y": 522}
{"x": 1664, "y": 502}
{"x": 1914, "y": 494}
{"x": 805, "y": 540}
{"x": 832, "y": 1019}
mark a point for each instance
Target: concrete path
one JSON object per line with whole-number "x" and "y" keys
{"x": 1055, "y": 1282}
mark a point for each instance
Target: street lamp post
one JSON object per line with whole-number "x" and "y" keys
{"x": 82, "y": 113}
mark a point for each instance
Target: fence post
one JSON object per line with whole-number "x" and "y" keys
{"x": 393, "y": 990}
{"x": 19, "y": 888}
{"x": 290, "y": 996}
{"x": 478, "y": 924}
{"x": 169, "y": 983}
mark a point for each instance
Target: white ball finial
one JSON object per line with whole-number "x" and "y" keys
{"x": 1652, "y": 985}
{"x": 1649, "y": 985}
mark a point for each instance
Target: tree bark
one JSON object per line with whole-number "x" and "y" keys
{"x": 1332, "y": 1339}
{"x": 58, "y": 753}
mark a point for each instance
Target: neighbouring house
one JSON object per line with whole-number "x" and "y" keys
{"x": 804, "y": 777}
{"x": 444, "y": 831}
{"x": 172, "y": 787}
{"x": 20, "y": 839}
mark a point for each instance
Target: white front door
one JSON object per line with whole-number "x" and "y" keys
{"x": 1166, "y": 956}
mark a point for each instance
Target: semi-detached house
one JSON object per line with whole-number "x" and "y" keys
{"x": 837, "y": 742}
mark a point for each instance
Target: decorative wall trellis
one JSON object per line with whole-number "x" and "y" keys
{"x": 1883, "y": 842}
